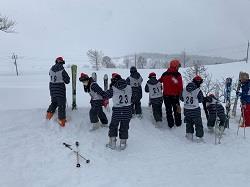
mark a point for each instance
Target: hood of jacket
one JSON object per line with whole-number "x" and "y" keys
{"x": 120, "y": 84}
{"x": 57, "y": 67}
{"x": 135, "y": 75}
{"x": 191, "y": 87}
{"x": 152, "y": 81}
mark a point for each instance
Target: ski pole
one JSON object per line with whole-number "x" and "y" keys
{"x": 69, "y": 146}
{"x": 77, "y": 155}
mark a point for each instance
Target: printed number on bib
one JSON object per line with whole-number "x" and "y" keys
{"x": 53, "y": 78}
{"x": 156, "y": 90}
{"x": 189, "y": 100}
{"x": 123, "y": 99}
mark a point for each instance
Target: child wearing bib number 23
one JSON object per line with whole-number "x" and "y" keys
{"x": 121, "y": 94}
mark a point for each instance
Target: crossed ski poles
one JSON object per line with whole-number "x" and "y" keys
{"x": 77, "y": 153}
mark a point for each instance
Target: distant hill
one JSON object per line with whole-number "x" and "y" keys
{"x": 160, "y": 60}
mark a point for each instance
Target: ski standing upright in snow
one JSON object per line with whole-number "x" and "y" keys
{"x": 94, "y": 76}
{"x": 106, "y": 101}
{"x": 74, "y": 72}
{"x": 237, "y": 96}
{"x": 228, "y": 89}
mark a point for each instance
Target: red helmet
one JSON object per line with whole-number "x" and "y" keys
{"x": 175, "y": 63}
{"x": 197, "y": 79}
{"x": 83, "y": 77}
{"x": 115, "y": 75}
{"x": 60, "y": 60}
{"x": 152, "y": 74}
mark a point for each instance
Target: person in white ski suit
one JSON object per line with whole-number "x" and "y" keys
{"x": 121, "y": 94}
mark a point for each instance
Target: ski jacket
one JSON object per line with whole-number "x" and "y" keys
{"x": 135, "y": 81}
{"x": 58, "y": 78}
{"x": 96, "y": 93}
{"x": 192, "y": 96}
{"x": 154, "y": 88}
{"x": 121, "y": 94}
{"x": 172, "y": 82}
{"x": 245, "y": 94}
{"x": 214, "y": 107}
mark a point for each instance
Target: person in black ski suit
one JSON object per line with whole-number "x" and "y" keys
{"x": 215, "y": 109}
{"x": 154, "y": 88}
{"x": 97, "y": 97}
{"x": 58, "y": 78}
{"x": 121, "y": 94}
{"x": 135, "y": 81}
{"x": 192, "y": 96}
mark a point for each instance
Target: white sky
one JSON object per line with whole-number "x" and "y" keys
{"x": 48, "y": 28}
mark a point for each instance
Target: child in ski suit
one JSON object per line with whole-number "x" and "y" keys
{"x": 154, "y": 88}
{"x": 192, "y": 96}
{"x": 135, "y": 81}
{"x": 97, "y": 96}
{"x": 215, "y": 109}
{"x": 245, "y": 99}
{"x": 58, "y": 78}
{"x": 121, "y": 94}
{"x": 172, "y": 89}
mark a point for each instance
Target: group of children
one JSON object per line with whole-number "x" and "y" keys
{"x": 126, "y": 96}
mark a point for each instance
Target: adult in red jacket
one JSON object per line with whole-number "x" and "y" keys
{"x": 172, "y": 89}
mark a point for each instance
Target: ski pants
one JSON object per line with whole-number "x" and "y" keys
{"x": 171, "y": 103}
{"x": 123, "y": 129}
{"x": 197, "y": 122}
{"x": 97, "y": 112}
{"x": 136, "y": 107}
{"x": 212, "y": 119}
{"x": 246, "y": 114}
{"x": 59, "y": 102}
{"x": 157, "y": 111}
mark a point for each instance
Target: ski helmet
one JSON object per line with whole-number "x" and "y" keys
{"x": 60, "y": 60}
{"x": 115, "y": 78}
{"x": 133, "y": 69}
{"x": 198, "y": 80}
{"x": 152, "y": 74}
{"x": 175, "y": 64}
{"x": 83, "y": 77}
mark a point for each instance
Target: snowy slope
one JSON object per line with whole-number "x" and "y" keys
{"x": 32, "y": 154}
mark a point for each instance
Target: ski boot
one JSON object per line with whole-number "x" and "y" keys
{"x": 199, "y": 139}
{"x": 112, "y": 143}
{"x": 189, "y": 136}
{"x": 49, "y": 115}
{"x": 139, "y": 116}
{"x": 123, "y": 144}
{"x": 62, "y": 122}
{"x": 94, "y": 126}
{"x": 210, "y": 129}
{"x": 103, "y": 125}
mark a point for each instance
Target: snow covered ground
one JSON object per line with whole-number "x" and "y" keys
{"x": 32, "y": 154}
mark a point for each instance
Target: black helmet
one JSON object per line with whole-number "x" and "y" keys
{"x": 133, "y": 69}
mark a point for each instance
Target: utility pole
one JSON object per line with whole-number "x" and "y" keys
{"x": 135, "y": 60}
{"x": 247, "y": 51}
{"x": 14, "y": 57}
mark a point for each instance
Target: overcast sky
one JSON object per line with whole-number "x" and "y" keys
{"x": 48, "y": 28}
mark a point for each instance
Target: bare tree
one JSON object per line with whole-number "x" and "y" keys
{"x": 107, "y": 62}
{"x": 95, "y": 58}
{"x": 141, "y": 62}
{"x": 6, "y": 25}
{"x": 126, "y": 62}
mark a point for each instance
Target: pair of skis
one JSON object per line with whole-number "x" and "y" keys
{"x": 78, "y": 155}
